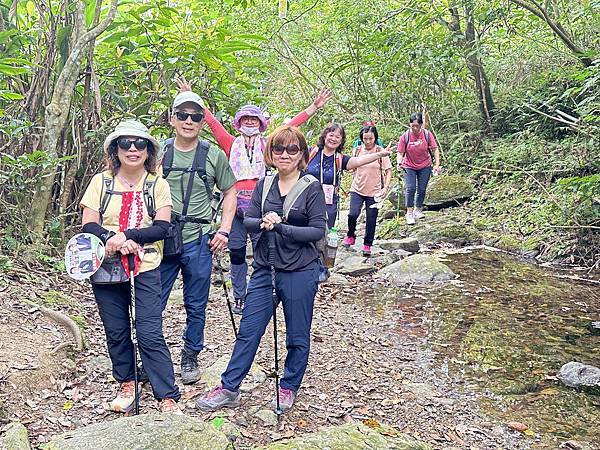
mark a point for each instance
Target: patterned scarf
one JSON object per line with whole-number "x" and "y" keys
{"x": 131, "y": 216}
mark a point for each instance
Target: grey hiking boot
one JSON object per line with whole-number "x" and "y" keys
{"x": 219, "y": 398}
{"x": 190, "y": 372}
{"x": 286, "y": 400}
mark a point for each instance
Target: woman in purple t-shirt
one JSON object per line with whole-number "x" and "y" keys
{"x": 414, "y": 158}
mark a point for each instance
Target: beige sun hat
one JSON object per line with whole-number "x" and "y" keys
{"x": 131, "y": 127}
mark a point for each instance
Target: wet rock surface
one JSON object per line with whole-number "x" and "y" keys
{"x": 578, "y": 375}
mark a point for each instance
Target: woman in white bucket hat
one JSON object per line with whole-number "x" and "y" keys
{"x": 129, "y": 208}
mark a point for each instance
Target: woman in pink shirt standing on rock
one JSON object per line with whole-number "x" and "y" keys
{"x": 245, "y": 154}
{"x": 414, "y": 157}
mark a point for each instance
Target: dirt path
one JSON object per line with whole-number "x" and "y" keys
{"x": 368, "y": 362}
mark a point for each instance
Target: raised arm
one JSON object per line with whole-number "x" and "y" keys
{"x": 320, "y": 100}
{"x": 224, "y": 139}
{"x": 357, "y": 161}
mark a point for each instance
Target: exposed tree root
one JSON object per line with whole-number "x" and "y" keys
{"x": 63, "y": 320}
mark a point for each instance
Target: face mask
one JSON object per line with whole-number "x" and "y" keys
{"x": 249, "y": 131}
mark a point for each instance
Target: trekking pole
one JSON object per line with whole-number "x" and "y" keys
{"x": 131, "y": 263}
{"x": 216, "y": 204}
{"x": 226, "y": 292}
{"x": 271, "y": 238}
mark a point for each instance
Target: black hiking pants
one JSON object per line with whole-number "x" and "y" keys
{"x": 113, "y": 304}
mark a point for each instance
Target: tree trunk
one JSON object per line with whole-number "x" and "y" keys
{"x": 539, "y": 11}
{"x": 57, "y": 111}
{"x": 467, "y": 40}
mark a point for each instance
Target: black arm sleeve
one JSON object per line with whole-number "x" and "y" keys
{"x": 155, "y": 232}
{"x": 97, "y": 230}
{"x": 300, "y": 234}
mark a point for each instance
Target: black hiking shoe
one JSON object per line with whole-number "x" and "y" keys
{"x": 190, "y": 372}
{"x": 239, "y": 306}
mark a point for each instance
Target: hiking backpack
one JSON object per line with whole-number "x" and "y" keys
{"x": 108, "y": 190}
{"x": 198, "y": 167}
{"x": 291, "y": 197}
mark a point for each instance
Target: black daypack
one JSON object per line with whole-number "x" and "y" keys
{"x": 173, "y": 243}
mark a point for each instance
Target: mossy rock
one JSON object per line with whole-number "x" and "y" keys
{"x": 349, "y": 437}
{"x": 456, "y": 233}
{"x": 15, "y": 437}
{"x": 448, "y": 190}
{"x": 417, "y": 269}
{"x": 146, "y": 431}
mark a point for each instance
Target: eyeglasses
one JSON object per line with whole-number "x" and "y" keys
{"x": 139, "y": 143}
{"x": 182, "y": 115}
{"x": 291, "y": 149}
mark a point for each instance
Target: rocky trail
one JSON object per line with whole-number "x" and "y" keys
{"x": 372, "y": 367}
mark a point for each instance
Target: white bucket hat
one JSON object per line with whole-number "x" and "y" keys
{"x": 131, "y": 127}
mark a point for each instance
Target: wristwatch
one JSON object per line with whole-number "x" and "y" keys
{"x": 223, "y": 233}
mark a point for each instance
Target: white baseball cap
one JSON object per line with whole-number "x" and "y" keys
{"x": 188, "y": 97}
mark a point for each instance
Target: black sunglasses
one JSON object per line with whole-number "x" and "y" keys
{"x": 182, "y": 115}
{"x": 291, "y": 149}
{"x": 139, "y": 143}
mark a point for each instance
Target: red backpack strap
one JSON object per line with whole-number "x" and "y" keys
{"x": 312, "y": 153}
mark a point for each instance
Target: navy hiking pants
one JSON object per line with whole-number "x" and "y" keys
{"x": 296, "y": 290}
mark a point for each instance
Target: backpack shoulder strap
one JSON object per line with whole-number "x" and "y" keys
{"x": 199, "y": 164}
{"x": 149, "y": 191}
{"x": 406, "y": 138}
{"x": 339, "y": 160}
{"x": 312, "y": 153}
{"x": 269, "y": 179}
{"x": 167, "y": 162}
{"x": 295, "y": 192}
{"x": 106, "y": 191}
{"x": 427, "y": 137}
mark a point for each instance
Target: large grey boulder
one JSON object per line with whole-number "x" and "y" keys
{"x": 349, "y": 436}
{"x": 146, "y": 431}
{"x": 448, "y": 190}
{"x": 356, "y": 270}
{"x": 417, "y": 269}
{"x": 578, "y": 375}
{"x": 14, "y": 437}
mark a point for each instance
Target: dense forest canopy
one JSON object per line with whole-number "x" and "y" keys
{"x": 512, "y": 86}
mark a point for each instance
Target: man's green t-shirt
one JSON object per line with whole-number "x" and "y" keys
{"x": 219, "y": 174}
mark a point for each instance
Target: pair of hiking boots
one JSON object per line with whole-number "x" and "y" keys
{"x": 124, "y": 402}
{"x": 219, "y": 397}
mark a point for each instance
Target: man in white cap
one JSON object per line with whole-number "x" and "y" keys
{"x": 193, "y": 169}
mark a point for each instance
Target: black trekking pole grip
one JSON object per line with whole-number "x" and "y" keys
{"x": 271, "y": 241}
{"x": 131, "y": 263}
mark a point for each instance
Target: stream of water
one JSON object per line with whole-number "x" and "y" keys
{"x": 504, "y": 329}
